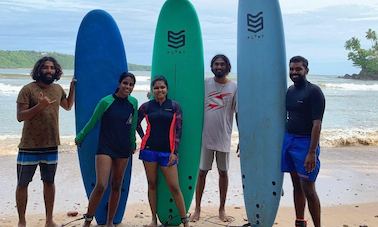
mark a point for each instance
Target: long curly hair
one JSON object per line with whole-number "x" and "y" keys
{"x": 36, "y": 72}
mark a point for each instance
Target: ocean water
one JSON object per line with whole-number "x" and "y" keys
{"x": 351, "y": 115}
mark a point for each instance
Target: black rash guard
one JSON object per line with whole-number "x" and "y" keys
{"x": 118, "y": 124}
{"x": 304, "y": 104}
{"x": 164, "y": 126}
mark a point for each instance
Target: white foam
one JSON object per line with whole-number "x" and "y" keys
{"x": 349, "y": 137}
{"x": 6, "y": 137}
{"x": 352, "y": 86}
{"x": 7, "y": 89}
{"x": 142, "y": 79}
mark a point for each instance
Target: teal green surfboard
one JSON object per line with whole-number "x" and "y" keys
{"x": 178, "y": 55}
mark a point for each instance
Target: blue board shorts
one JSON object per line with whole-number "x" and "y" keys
{"x": 294, "y": 152}
{"x": 27, "y": 163}
{"x": 162, "y": 158}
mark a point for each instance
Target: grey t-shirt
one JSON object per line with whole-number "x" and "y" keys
{"x": 220, "y": 106}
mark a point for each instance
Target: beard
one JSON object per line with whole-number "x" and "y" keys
{"x": 219, "y": 74}
{"x": 298, "y": 79}
{"x": 46, "y": 79}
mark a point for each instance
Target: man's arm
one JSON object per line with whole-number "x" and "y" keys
{"x": 68, "y": 102}
{"x": 315, "y": 136}
{"x": 237, "y": 125}
{"x": 237, "y": 121}
{"x": 318, "y": 106}
{"x": 236, "y": 118}
{"x": 25, "y": 113}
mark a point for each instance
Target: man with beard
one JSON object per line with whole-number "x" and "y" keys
{"x": 305, "y": 104}
{"x": 38, "y": 106}
{"x": 220, "y": 106}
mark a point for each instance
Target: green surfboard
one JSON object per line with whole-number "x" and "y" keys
{"x": 178, "y": 55}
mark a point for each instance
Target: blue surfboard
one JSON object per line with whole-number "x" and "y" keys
{"x": 261, "y": 106}
{"x": 99, "y": 60}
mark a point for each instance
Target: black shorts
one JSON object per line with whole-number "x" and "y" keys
{"x": 27, "y": 164}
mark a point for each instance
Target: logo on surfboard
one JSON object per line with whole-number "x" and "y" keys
{"x": 255, "y": 24}
{"x": 176, "y": 39}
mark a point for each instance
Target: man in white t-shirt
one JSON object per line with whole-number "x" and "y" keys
{"x": 220, "y": 106}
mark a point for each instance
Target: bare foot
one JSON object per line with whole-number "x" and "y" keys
{"x": 195, "y": 216}
{"x": 223, "y": 217}
{"x": 21, "y": 224}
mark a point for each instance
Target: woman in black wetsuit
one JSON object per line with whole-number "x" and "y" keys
{"x": 160, "y": 145}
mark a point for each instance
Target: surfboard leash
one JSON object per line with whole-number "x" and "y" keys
{"x": 170, "y": 218}
{"x": 216, "y": 223}
{"x": 78, "y": 219}
{"x": 245, "y": 225}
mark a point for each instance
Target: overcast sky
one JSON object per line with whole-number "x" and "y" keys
{"x": 316, "y": 29}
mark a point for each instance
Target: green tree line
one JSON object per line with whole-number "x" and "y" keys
{"x": 27, "y": 59}
{"x": 366, "y": 59}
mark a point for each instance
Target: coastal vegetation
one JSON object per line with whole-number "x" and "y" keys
{"x": 26, "y": 59}
{"x": 365, "y": 59}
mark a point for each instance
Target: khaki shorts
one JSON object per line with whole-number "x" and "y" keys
{"x": 207, "y": 158}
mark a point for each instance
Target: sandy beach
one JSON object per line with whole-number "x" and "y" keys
{"x": 347, "y": 187}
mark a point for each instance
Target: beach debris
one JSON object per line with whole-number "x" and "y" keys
{"x": 138, "y": 216}
{"x": 345, "y": 225}
{"x": 72, "y": 213}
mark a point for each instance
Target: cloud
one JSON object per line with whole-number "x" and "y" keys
{"x": 317, "y": 29}
{"x": 300, "y": 6}
{"x": 32, "y": 5}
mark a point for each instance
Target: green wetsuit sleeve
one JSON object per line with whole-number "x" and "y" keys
{"x": 100, "y": 109}
{"x": 134, "y": 102}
